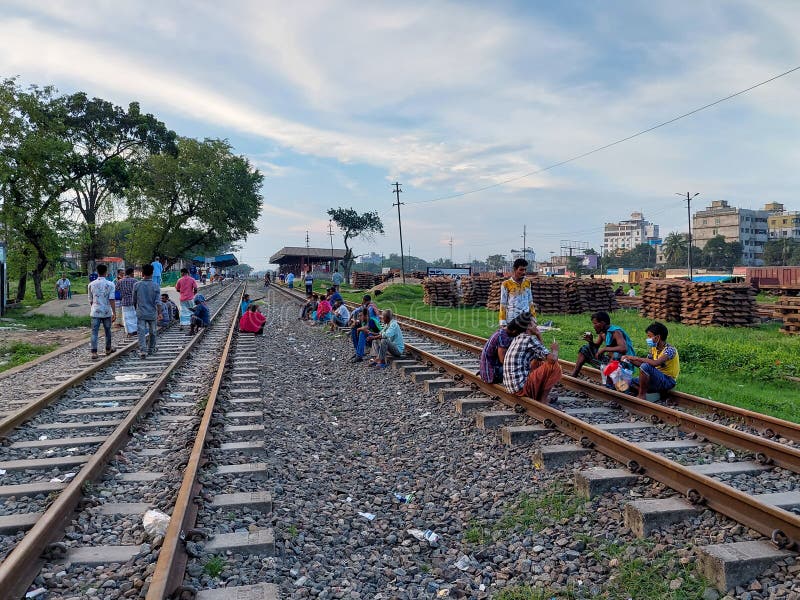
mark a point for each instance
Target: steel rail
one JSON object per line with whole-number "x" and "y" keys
{"x": 23, "y": 563}
{"x": 780, "y": 525}
{"x": 172, "y": 558}
{"x": 768, "y": 425}
{"x": 9, "y": 423}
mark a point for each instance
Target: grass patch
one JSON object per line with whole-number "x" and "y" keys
{"x": 17, "y": 317}
{"x": 527, "y": 592}
{"x": 743, "y": 366}
{"x": 214, "y": 566}
{"x": 18, "y": 353}
{"x": 554, "y": 504}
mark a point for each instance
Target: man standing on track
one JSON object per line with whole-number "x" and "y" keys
{"x": 158, "y": 268}
{"x": 337, "y": 279}
{"x": 125, "y": 288}
{"x": 103, "y": 309}
{"x": 515, "y": 294}
{"x": 186, "y": 287}
{"x": 309, "y": 281}
{"x": 146, "y": 298}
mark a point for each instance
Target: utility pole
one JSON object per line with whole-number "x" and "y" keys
{"x": 308, "y": 252}
{"x": 525, "y": 243}
{"x": 452, "y": 264}
{"x": 330, "y": 233}
{"x": 689, "y": 198}
{"x": 397, "y": 192}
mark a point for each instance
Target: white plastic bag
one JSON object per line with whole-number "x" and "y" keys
{"x": 155, "y": 522}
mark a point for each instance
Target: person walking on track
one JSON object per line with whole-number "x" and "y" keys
{"x": 146, "y": 298}
{"x": 103, "y": 309}
{"x": 186, "y": 287}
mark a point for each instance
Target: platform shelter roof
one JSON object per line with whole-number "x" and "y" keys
{"x": 300, "y": 254}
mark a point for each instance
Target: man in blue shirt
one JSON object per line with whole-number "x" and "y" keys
{"x": 158, "y": 268}
{"x": 201, "y": 316}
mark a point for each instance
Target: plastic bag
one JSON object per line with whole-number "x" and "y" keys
{"x": 624, "y": 377}
{"x": 155, "y": 522}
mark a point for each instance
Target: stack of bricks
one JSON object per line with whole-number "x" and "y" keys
{"x": 662, "y": 299}
{"x": 475, "y": 290}
{"x": 721, "y": 304}
{"x": 788, "y": 310}
{"x": 363, "y": 280}
{"x": 439, "y": 291}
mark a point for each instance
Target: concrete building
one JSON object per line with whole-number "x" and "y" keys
{"x": 622, "y": 236}
{"x": 373, "y": 258}
{"x": 743, "y": 225}
{"x": 782, "y": 224}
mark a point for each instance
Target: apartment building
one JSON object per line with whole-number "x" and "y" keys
{"x": 782, "y": 224}
{"x": 743, "y": 225}
{"x": 622, "y": 236}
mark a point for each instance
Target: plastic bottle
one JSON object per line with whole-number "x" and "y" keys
{"x": 431, "y": 536}
{"x": 404, "y": 498}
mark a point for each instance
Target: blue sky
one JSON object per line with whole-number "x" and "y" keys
{"x": 334, "y": 101}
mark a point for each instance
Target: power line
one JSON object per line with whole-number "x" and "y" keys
{"x": 397, "y": 192}
{"x": 606, "y": 146}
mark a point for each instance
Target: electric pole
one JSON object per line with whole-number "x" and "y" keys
{"x": 525, "y": 244}
{"x": 452, "y": 264}
{"x": 397, "y": 192}
{"x": 689, "y": 198}
{"x": 308, "y": 252}
{"x": 330, "y": 233}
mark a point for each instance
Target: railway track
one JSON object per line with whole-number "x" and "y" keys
{"x": 81, "y": 453}
{"x": 675, "y": 447}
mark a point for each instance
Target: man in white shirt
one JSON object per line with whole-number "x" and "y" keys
{"x": 103, "y": 309}
{"x": 62, "y": 287}
{"x": 341, "y": 315}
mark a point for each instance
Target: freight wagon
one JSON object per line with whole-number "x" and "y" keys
{"x": 774, "y": 278}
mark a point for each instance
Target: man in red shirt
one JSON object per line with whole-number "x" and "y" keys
{"x": 186, "y": 286}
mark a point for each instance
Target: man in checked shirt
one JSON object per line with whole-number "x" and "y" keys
{"x": 125, "y": 287}
{"x": 530, "y": 369}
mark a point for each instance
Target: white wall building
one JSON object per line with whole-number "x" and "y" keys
{"x": 628, "y": 234}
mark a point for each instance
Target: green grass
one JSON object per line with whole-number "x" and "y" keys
{"x": 17, "y": 317}
{"x": 214, "y": 566}
{"x": 18, "y": 353}
{"x": 743, "y": 366}
{"x": 535, "y": 512}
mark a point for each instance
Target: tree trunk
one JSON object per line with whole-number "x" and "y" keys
{"x": 23, "y": 276}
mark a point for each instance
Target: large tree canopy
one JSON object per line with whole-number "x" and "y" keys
{"x": 354, "y": 225}
{"x": 200, "y": 200}
{"x": 109, "y": 145}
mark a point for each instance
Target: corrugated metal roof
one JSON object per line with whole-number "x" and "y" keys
{"x": 298, "y": 253}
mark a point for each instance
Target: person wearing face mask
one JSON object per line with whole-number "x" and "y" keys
{"x": 659, "y": 371}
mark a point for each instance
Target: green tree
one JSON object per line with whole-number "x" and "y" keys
{"x": 496, "y": 262}
{"x": 719, "y": 254}
{"x": 675, "y": 245}
{"x": 783, "y": 252}
{"x": 109, "y": 144}
{"x": 34, "y": 174}
{"x": 354, "y": 225}
{"x": 200, "y": 201}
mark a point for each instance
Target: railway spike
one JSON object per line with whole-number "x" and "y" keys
{"x": 586, "y": 442}
{"x": 635, "y": 468}
{"x": 763, "y": 459}
{"x": 780, "y": 539}
{"x": 695, "y": 497}
{"x": 655, "y": 419}
{"x": 768, "y": 432}
{"x": 184, "y": 592}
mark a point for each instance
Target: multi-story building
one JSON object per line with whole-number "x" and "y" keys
{"x": 373, "y": 258}
{"x": 743, "y": 225}
{"x": 782, "y": 224}
{"x": 622, "y": 236}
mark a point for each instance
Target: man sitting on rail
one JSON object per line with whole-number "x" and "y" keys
{"x": 611, "y": 343}
{"x": 201, "y": 316}
{"x": 515, "y": 294}
{"x": 372, "y": 313}
{"x": 324, "y": 310}
{"x": 252, "y": 321}
{"x": 334, "y": 295}
{"x": 659, "y": 371}
{"x": 168, "y": 311}
{"x": 530, "y": 369}
{"x": 366, "y": 329}
{"x": 341, "y": 315}
{"x": 390, "y": 339}
{"x": 494, "y": 352}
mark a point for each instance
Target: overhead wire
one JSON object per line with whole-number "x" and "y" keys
{"x": 606, "y": 146}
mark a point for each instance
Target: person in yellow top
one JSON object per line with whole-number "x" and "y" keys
{"x": 659, "y": 371}
{"x": 515, "y": 294}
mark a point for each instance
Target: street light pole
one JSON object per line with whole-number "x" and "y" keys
{"x": 689, "y": 198}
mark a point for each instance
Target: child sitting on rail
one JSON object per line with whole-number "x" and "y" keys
{"x": 659, "y": 371}
{"x": 612, "y": 341}
{"x": 201, "y": 316}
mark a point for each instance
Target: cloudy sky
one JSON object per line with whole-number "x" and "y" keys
{"x": 334, "y": 101}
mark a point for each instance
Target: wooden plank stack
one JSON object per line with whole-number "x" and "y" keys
{"x": 662, "y": 299}
{"x": 788, "y": 310}
{"x": 721, "y": 304}
{"x": 589, "y": 295}
{"x": 363, "y": 280}
{"x": 550, "y": 295}
{"x": 475, "y": 290}
{"x": 493, "y": 300}
{"x": 439, "y": 291}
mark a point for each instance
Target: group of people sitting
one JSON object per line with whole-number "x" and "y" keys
{"x": 327, "y": 308}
